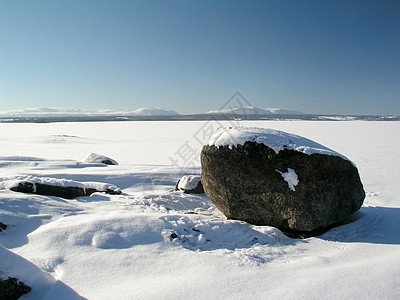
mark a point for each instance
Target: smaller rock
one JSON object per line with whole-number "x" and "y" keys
{"x": 63, "y": 188}
{"x": 2, "y": 226}
{"x": 110, "y": 191}
{"x": 24, "y": 187}
{"x": 190, "y": 184}
{"x": 12, "y": 289}
{"x": 67, "y": 192}
{"x": 97, "y": 158}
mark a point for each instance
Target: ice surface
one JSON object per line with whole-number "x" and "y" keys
{"x": 151, "y": 242}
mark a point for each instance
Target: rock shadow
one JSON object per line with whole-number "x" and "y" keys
{"x": 371, "y": 224}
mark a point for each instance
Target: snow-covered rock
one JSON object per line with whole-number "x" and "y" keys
{"x": 274, "y": 139}
{"x": 100, "y": 159}
{"x": 270, "y": 177}
{"x": 190, "y": 184}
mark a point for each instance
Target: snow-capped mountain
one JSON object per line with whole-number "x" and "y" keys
{"x": 52, "y": 112}
{"x": 70, "y": 112}
{"x": 154, "y": 111}
{"x": 253, "y": 110}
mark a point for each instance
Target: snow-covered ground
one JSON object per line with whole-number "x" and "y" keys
{"x": 152, "y": 242}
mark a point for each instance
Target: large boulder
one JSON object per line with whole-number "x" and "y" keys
{"x": 269, "y": 177}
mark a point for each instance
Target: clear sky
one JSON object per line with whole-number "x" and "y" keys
{"x": 338, "y": 57}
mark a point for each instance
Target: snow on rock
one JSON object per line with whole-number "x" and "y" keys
{"x": 30, "y": 184}
{"x": 290, "y": 177}
{"x": 189, "y": 182}
{"x": 275, "y": 139}
{"x": 101, "y": 187}
{"x": 100, "y": 159}
{"x": 109, "y": 240}
{"x": 61, "y": 182}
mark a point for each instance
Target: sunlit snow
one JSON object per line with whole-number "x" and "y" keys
{"x": 152, "y": 242}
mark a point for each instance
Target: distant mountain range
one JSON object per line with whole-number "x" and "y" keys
{"x": 54, "y": 114}
{"x": 70, "y": 112}
{"x": 145, "y": 111}
{"x": 253, "y": 110}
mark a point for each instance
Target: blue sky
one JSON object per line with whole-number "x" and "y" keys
{"x": 337, "y": 57}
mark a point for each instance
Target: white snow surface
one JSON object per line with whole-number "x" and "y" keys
{"x": 275, "y": 139}
{"x": 290, "y": 177}
{"x": 151, "y": 242}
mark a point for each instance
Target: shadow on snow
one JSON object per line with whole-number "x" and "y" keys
{"x": 371, "y": 224}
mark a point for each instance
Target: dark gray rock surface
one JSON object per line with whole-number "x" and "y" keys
{"x": 2, "y": 226}
{"x": 11, "y": 289}
{"x": 247, "y": 183}
{"x": 66, "y": 192}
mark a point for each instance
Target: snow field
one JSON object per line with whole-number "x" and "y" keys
{"x": 154, "y": 242}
